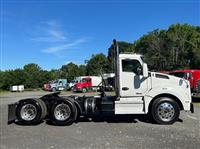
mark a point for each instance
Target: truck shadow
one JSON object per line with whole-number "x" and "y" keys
{"x": 34, "y": 124}
{"x": 115, "y": 119}
{"x": 121, "y": 119}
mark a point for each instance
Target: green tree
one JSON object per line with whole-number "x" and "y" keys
{"x": 97, "y": 64}
{"x": 11, "y": 77}
{"x": 123, "y": 47}
{"x": 82, "y": 70}
{"x": 33, "y": 75}
{"x": 178, "y": 47}
{"x": 69, "y": 71}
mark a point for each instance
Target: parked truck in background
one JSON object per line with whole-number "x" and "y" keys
{"x": 46, "y": 86}
{"x": 88, "y": 83}
{"x": 197, "y": 93}
{"x": 58, "y": 85}
{"x": 73, "y": 82}
{"x": 137, "y": 91}
{"x": 191, "y": 75}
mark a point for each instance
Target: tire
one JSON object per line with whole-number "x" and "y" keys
{"x": 84, "y": 90}
{"x": 54, "y": 89}
{"x": 165, "y": 110}
{"x": 63, "y": 112}
{"x": 29, "y": 111}
{"x": 44, "y": 108}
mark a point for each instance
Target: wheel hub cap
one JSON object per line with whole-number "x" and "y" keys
{"x": 166, "y": 111}
{"x": 62, "y": 112}
{"x": 28, "y": 112}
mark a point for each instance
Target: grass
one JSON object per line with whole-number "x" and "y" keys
{"x": 27, "y": 89}
{"x": 197, "y": 104}
{"x": 4, "y": 91}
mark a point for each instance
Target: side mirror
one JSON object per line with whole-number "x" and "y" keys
{"x": 145, "y": 70}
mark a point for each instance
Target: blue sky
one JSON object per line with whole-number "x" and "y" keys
{"x": 55, "y": 33}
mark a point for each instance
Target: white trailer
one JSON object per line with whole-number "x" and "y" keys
{"x": 17, "y": 88}
{"x": 96, "y": 80}
{"x": 20, "y": 88}
{"x": 14, "y": 88}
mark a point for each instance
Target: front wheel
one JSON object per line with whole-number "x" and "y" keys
{"x": 84, "y": 90}
{"x": 54, "y": 89}
{"x": 165, "y": 110}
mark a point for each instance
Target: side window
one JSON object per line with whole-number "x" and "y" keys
{"x": 129, "y": 65}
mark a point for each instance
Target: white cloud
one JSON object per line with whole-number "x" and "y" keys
{"x": 66, "y": 46}
{"x": 50, "y": 32}
{"x": 53, "y": 23}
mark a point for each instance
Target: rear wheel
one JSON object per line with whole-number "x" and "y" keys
{"x": 165, "y": 110}
{"x": 63, "y": 112}
{"x": 30, "y": 111}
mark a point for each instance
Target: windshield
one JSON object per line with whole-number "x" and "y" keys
{"x": 84, "y": 80}
{"x": 55, "y": 81}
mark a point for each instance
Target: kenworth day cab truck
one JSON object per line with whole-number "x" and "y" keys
{"x": 138, "y": 91}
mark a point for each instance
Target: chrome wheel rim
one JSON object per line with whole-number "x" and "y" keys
{"x": 166, "y": 111}
{"x": 84, "y": 90}
{"x": 28, "y": 112}
{"x": 62, "y": 112}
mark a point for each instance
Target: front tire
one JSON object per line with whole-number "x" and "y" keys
{"x": 54, "y": 89}
{"x": 63, "y": 112}
{"x": 165, "y": 110}
{"x": 84, "y": 90}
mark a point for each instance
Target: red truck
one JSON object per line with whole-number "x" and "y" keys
{"x": 87, "y": 83}
{"x": 46, "y": 86}
{"x": 192, "y": 75}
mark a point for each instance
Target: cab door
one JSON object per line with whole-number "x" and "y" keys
{"x": 132, "y": 82}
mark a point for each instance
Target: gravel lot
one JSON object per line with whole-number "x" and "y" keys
{"x": 111, "y": 132}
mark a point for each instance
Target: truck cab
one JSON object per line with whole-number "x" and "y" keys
{"x": 138, "y": 87}
{"x": 88, "y": 83}
{"x": 83, "y": 85}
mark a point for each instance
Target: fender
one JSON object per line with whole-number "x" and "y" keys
{"x": 184, "y": 99}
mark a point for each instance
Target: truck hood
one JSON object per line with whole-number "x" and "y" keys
{"x": 169, "y": 81}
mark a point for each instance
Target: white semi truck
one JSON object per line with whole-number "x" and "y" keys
{"x": 138, "y": 91}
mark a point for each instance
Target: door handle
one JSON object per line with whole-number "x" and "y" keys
{"x": 125, "y": 88}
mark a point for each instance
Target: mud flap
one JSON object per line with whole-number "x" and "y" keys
{"x": 12, "y": 113}
{"x": 192, "y": 108}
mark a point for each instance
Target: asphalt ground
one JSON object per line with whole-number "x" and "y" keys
{"x": 126, "y": 131}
